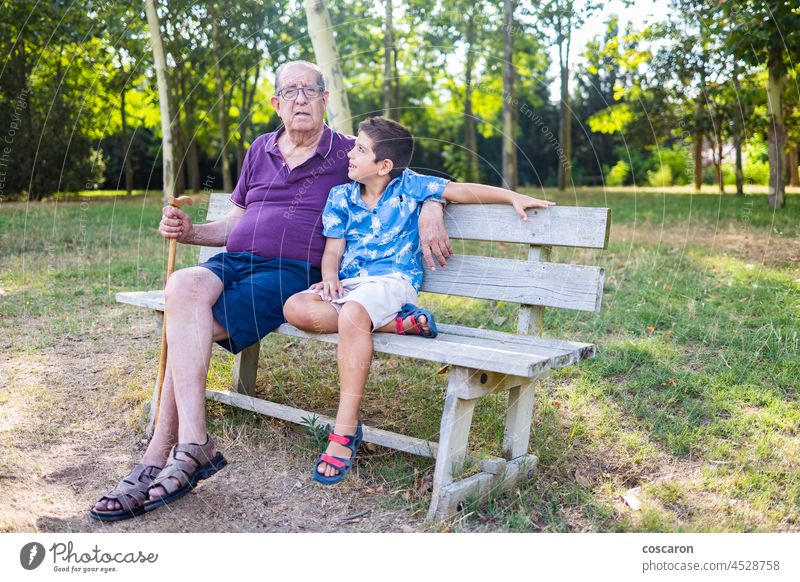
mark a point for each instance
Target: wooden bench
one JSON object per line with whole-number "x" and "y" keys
{"x": 479, "y": 361}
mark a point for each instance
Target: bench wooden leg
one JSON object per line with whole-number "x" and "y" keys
{"x": 454, "y": 432}
{"x": 151, "y": 416}
{"x": 245, "y": 368}
{"x": 518, "y": 420}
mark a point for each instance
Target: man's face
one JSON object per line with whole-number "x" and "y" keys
{"x": 362, "y": 164}
{"x": 305, "y": 113}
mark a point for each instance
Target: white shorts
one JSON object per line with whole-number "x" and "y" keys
{"x": 382, "y": 296}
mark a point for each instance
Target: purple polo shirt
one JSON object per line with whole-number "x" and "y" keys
{"x": 282, "y": 208}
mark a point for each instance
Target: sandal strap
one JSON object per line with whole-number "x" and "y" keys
{"x": 398, "y": 321}
{"x": 337, "y": 438}
{"x": 414, "y": 324}
{"x": 131, "y": 491}
{"x": 184, "y": 460}
{"x": 337, "y": 462}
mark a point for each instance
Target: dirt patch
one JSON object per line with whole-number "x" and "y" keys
{"x": 70, "y": 428}
{"x": 739, "y": 241}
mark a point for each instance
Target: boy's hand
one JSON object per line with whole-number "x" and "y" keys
{"x": 520, "y": 203}
{"x": 331, "y": 289}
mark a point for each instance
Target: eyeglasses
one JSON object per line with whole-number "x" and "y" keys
{"x": 292, "y": 93}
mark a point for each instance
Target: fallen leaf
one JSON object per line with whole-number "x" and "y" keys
{"x": 650, "y": 329}
{"x": 556, "y": 403}
{"x": 425, "y": 486}
{"x": 631, "y": 498}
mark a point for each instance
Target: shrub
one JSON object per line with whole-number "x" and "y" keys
{"x": 618, "y": 175}
{"x": 660, "y": 177}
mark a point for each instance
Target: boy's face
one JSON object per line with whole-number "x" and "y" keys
{"x": 363, "y": 165}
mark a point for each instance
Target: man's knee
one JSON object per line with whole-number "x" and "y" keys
{"x": 192, "y": 285}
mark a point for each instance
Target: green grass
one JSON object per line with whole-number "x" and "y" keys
{"x": 693, "y": 396}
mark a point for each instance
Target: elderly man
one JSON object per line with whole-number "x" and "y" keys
{"x": 274, "y": 249}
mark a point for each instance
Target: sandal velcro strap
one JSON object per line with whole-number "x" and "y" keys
{"x": 338, "y": 463}
{"x": 184, "y": 461}
{"x": 130, "y": 493}
{"x": 337, "y": 438}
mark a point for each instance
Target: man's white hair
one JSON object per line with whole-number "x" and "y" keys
{"x": 313, "y": 66}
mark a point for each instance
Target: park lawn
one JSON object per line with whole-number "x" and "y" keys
{"x": 690, "y": 408}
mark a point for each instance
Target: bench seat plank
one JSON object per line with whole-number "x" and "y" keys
{"x": 524, "y": 356}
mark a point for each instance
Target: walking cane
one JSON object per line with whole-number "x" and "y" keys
{"x": 162, "y": 366}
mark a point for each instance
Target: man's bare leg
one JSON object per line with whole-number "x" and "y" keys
{"x": 203, "y": 289}
{"x": 191, "y": 331}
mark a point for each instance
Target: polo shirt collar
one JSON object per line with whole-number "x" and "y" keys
{"x": 324, "y": 147}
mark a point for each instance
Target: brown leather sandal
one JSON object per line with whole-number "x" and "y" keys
{"x": 131, "y": 493}
{"x": 187, "y": 464}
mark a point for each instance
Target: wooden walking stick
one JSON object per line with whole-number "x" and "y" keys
{"x": 162, "y": 366}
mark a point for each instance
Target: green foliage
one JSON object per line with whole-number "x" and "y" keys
{"x": 660, "y": 177}
{"x": 619, "y": 174}
{"x": 316, "y": 431}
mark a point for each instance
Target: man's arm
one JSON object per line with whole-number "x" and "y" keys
{"x": 175, "y": 223}
{"x": 433, "y": 235}
{"x": 469, "y": 193}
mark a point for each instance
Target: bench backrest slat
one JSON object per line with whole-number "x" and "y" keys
{"x": 563, "y": 226}
{"x": 526, "y": 282}
{"x": 549, "y": 284}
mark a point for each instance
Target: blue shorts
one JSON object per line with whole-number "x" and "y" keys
{"x": 254, "y": 291}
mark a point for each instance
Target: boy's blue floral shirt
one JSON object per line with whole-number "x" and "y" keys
{"x": 383, "y": 240}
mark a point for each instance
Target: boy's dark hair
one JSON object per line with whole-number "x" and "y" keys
{"x": 390, "y": 141}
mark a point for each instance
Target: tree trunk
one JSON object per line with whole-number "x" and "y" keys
{"x": 178, "y": 139}
{"x": 126, "y": 145}
{"x": 737, "y": 146}
{"x": 320, "y": 29}
{"x": 738, "y": 124}
{"x": 388, "y": 48}
{"x": 471, "y": 172}
{"x": 222, "y": 111}
{"x": 564, "y": 133}
{"x": 510, "y": 175}
{"x": 698, "y": 160}
{"x": 794, "y": 178}
{"x": 718, "y": 156}
{"x": 193, "y": 166}
{"x": 248, "y": 97}
{"x": 776, "y": 140}
{"x": 157, "y": 47}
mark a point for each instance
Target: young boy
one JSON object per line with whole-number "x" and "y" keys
{"x": 372, "y": 267}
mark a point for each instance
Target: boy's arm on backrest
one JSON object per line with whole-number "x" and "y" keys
{"x": 469, "y": 193}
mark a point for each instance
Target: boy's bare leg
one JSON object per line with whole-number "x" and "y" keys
{"x": 354, "y": 357}
{"x": 308, "y": 311}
